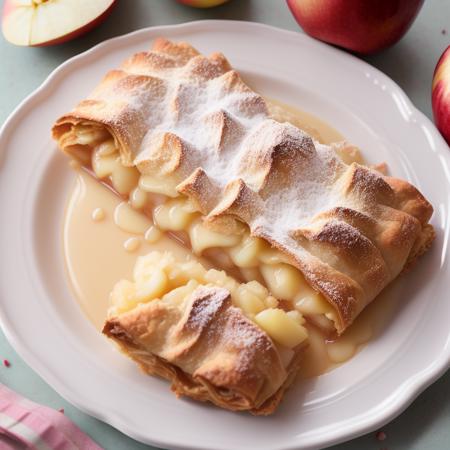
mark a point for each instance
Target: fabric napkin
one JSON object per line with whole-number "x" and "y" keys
{"x": 27, "y": 425}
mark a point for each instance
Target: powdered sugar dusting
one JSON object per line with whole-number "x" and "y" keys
{"x": 195, "y": 110}
{"x": 207, "y": 301}
{"x": 228, "y": 332}
{"x": 206, "y": 304}
{"x": 228, "y": 132}
{"x": 314, "y": 191}
{"x": 187, "y": 108}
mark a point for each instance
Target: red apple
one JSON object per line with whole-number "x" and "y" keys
{"x": 364, "y": 26}
{"x": 47, "y": 22}
{"x": 202, "y": 3}
{"x": 440, "y": 97}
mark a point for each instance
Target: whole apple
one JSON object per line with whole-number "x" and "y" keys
{"x": 440, "y": 96}
{"x": 202, "y": 3}
{"x": 47, "y": 22}
{"x": 363, "y": 26}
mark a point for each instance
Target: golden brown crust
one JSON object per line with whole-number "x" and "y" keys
{"x": 175, "y": 113}
{"x": 208, "y": 350}
{"x": 421, "y": 246}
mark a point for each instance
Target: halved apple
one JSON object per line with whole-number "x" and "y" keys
{"x": 48, "y": 22}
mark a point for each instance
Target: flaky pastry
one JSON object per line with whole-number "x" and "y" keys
{"x": 188, "y": 325}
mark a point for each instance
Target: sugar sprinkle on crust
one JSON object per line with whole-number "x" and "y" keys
{"x": 224, "y": 357}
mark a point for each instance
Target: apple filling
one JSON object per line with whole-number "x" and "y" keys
{"x": 247, "y": 258}
{"x": 159, "y": 277}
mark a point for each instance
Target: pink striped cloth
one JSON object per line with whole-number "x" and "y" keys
{"x": 27, "y": 425}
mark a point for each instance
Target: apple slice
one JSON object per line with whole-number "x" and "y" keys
{"x": 48, "y": 22}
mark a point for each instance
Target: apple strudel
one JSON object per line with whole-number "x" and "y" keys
{"x": 186, "y": 141}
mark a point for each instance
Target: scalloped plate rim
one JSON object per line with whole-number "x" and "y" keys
{"x": 406, "y": 392}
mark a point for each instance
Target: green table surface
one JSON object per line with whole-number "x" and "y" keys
{"x": 426, "y": 423}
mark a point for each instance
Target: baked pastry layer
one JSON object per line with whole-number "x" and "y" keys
{"x": 188, "y": 127}
{"x": 213, "y": 338}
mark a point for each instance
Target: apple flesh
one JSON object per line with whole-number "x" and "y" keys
{"x": 202, "y": 3}
{"x": 363, "y": 26}
{"x": 48, "y": 22}
{"x": 440, "y": 97}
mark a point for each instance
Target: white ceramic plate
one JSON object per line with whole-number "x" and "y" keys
{"x": 45, "y": 325}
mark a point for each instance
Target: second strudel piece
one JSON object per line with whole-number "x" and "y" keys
{"x": 215, "y": 339}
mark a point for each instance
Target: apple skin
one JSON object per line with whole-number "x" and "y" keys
{"x": 9, "y": 6}
{"x": 440, "y": 95}
{"x": 83, "y": 30}
{"x": 363, "y": 26}
{"x": 202, "y": 3}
